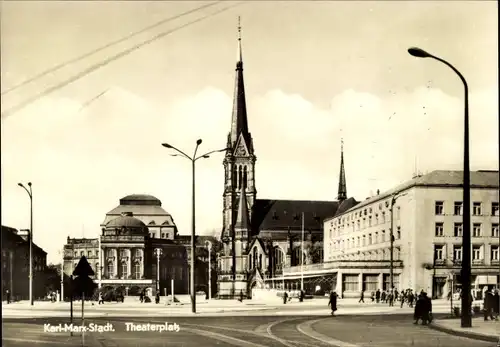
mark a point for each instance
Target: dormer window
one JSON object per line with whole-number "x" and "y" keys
{"x": 275, "y": 216}
{"x": 152, "y": 223}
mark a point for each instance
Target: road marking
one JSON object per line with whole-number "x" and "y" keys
{"x": 36, "y": 341}
{"x": 225, "y": 338}
{"x": 249, "y": 332}
{"x": 270, "y": 333}
{"x": 306, "y": 329}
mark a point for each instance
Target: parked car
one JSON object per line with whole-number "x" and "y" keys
{"x": 113, "y": 296}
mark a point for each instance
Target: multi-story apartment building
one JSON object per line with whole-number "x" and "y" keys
{"x": 15, "y": 265}
{"x": 425, "y": 215}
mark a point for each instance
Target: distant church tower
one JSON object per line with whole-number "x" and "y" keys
{"x": 342, "y": 193}
{"x": 239, "y": 194}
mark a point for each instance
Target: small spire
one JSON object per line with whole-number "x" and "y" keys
{"x": 342, "y": 193}
{"x": 240, "y": 54}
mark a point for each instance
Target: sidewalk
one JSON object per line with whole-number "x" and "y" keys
{"x": 480, "y": 330}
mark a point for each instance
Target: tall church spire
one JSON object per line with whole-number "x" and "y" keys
{"x": 342, "y": 193}
{"x": 239, "y": 122}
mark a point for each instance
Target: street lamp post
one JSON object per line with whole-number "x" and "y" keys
{"x": 466, "y": 319}
{"x": 158, "y": 253}
{"x": 193, "y": 160}
{"x": 209, "y": 246}
{"x": 62, "y": 276}
{"x": 30, "y": 236}
{"x": 393, "y": 201}
{"x": 302, "y": 259}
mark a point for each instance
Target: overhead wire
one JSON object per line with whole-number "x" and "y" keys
{"x": 99, "y": 49}
{"x": 105, "y": 62}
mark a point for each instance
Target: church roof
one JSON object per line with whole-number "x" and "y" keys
{"x": 242, "y": 220}
{"x": 140, "y": 199}
{"x": 284, "y": 214}
{"x": 346, "y": 205}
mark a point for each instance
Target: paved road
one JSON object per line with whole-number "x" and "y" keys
{"x": 249, "y": 331}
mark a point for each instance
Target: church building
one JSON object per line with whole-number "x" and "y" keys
{"x": 262, "y": 236}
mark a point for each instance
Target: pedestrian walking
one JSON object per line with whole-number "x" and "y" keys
{"x": 285, "y": 297}
{"x": 333, "y": 302}
{"x": 241, "y": 296}
{"x": 101, "y": 301}
{"x": 488, "y": 303}
{"x": 7, "y": 294}
{"x": 496, "y": 303}
{"x": 362, "y": 298}
{"x": 373, "y": 296}
{"x": 157, "y": 299}
{"x": 383, "y": 296}
{"x": 377, "y": 295}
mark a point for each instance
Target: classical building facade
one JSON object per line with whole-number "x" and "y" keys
{"x": 261, "y": 236}
{"x": 124, "y": 256}
{"x": 15, "y": 265}
{"x": 425, "y": 215}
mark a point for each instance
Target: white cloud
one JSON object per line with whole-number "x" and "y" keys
{"x": 81, "y": 162}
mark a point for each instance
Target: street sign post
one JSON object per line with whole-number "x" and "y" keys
{"x": 84, "y": 284}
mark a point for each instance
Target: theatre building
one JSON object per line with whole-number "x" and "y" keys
{"x": 15, "y": 265}
{"x": 425, "y": 214}
{"x": 124, "y": 256}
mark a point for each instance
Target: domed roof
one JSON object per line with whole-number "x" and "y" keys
{"x": 140, "y": 199}
{"x": 125, "y": 222}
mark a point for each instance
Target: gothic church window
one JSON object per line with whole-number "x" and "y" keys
{"x": 260, "y": 261}
{"x": 245, "y": 178}
{"x": 250, "y": 262}
{"x": 240, "y": 177}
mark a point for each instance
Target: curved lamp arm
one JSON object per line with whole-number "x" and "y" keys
{"x": 207, "y": 155}
{"x": 166, "y": 145}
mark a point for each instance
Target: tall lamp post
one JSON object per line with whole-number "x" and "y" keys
{"x": 466, "y": 319}
{"x": 193, "y": 160}
{"x": 158, "y": 253}
{"x": 302, "y": 259}
{"x": 209, "y": 246}
{"x": 393, "y": 202}
{"x": 30, "y": 235}
{"x": 62, "y": 275}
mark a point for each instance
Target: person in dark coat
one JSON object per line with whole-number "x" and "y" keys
{"x": 362, "y": 298}
{"x": 496, "y": 304}
{"x": 7, "y": 292}
{"x": 157, "y": 299}
{"x": 241, "y": 296}
{"x": 423, "y": 309}
{"x": 141, "y": 297}
{"x": 333, "y": 302}
{"x": 377, "y": 295}
{"x": 285, "y": 297}
{"x": 488, "y": 303}
{"x": 302, "y": 295}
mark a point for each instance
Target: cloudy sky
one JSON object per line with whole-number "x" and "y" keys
{"x": 314, "y": 72}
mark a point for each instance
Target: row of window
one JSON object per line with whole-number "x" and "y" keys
{"x": 366, "y": 240}
{"x": 477, "y": 230}
{"x": 370, "y": 283}
{"x": 477, "y": 208}
{"x": 363, "y": 223}
{"x": 379, "y": 254}
{"x": 477, "y": 253}
{"x": 365, "y": 212}
{"x": 163, "y": 235}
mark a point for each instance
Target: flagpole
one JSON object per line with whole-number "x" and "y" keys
{"x": 302, "y": 262}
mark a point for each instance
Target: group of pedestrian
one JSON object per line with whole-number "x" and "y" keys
{"x": 384, "y": 296}
{"x": 423, "y": 309}
{"x": 491, "y": 304}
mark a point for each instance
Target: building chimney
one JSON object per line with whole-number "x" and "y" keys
{"x": 127, "y": 214}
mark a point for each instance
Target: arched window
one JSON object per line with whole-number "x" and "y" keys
{"x": 250, "y": 262}
{"x": 260, "y": 261}
{"x": 111, "y": 269}
{"x": 234, "y": 176}
{"x": 240, "y": 177}
{"x": 124, "y": 270}
{"x": 255, "y": 257}
{"x": 245, "y": 178}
